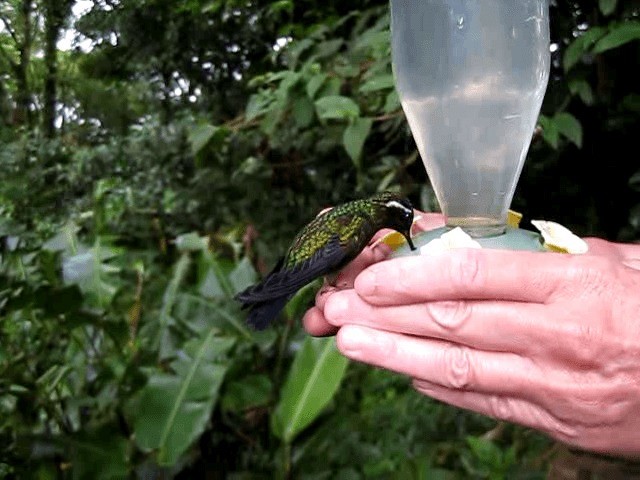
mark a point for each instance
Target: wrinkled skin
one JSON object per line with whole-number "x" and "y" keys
{"x": 546, "y": 340}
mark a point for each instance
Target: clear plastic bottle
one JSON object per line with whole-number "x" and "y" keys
{"x": 471, "y": 75}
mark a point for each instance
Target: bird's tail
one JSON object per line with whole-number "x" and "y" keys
{"x": 261, "y": 314}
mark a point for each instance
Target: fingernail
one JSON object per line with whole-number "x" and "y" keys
{"x": 380, "y": 251}
{"x": 367, "y": 282}
{"x": 424, "y": 386}
{"x": 353, "y": 341}
{"x": 336, "y": 307}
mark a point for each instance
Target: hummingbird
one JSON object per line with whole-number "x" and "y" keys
{"x": 323, "y": 247}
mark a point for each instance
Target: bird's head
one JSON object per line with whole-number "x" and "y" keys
{"x": 396, "y": 212}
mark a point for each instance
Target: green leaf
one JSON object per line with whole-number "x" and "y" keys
{"x": 221, "y": 270}
{"x": 271, "y": 119}
{"x": 303, "y": 112}
{"x": 102, "y": 187}
{"x": 210, "y": 287}
{"x": 376, "y": 42}
{"x": 550, "y": 131}
{"x": 313, "y": 380}
{"x": 379, "y": 82}
{"x": 392, "y": 103}
{"x": 386, "y": 181}
{"x": 257, "y": 105}
{"x": 243, "y": 275}
{"x": 331, "y": 87}
{"x": 301, "y": 300}
{"x": 337, "y": 107}
{"x": 281, "y": 6}
{"x": 165, "y": 319}
{"x": 65, "y": 240}
{"x": 618, "y": 36}
{"x": 570, "y": 127}
{"x": 247, "y": 392}
{"x": 50, "y": 379}
{"x": 90, "y": 271}
{"x": 314, "y": 84}
{"x": 296, "y": 49}
{"x": 580, "y": 46}
{"x": 100, "y": 455}
{"x": 487, "y": 452}
{"x": 354, "y": 137}
{"x": 346, "y": 70}
{"x": 289, "y": 80}
{"x": 173, "y": 409}
{"x": 607, "y": 7}
{"x": 421, "y": 468}
{"x": 582, "y": 88}
{"x": 191, "y": 242}
{"x": 562, "y": 123}
{"x": 212, "y": 7}
{"x": 328, "y": 48}
{"x": 573, "y": 53}
{"x": 200, "y": 136}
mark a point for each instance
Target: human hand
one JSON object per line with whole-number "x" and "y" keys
{"x": 550, "y": 341}
{"x": 314, "y": 322}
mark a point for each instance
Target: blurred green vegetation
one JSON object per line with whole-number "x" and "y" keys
{"x": 161, "y": 164}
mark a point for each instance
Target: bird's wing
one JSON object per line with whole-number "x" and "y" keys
{"x": 287, "y": 281}
{"x": 263, "y": 313}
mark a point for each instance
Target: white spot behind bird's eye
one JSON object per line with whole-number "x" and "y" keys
{"x": 398, "y": 205}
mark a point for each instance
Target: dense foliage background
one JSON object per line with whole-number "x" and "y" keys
{"x": 158, "y": 163}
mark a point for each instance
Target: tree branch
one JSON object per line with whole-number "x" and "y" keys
{"x": 11, "y": 31}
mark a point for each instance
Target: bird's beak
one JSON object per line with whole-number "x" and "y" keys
{"x": 407, "y": 236}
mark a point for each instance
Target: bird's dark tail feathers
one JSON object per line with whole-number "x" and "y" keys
{"x": 261, "y": 314}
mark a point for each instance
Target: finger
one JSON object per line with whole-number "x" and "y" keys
{"x": 555, "y": 334}
{"x": 315, "y": 324}
{"x": 324, "y": 294}
{"x": 442, "y": 363}
{"x": 347, "y": 275}
{"x": 485, "y": 325}
{"x": 599, "y": 246}
{"x": 369, "y": 256}
{"x": 480, "y": 274}
{"x": 428, "y": 221}
{"x": 511, "y": 409}
{"x": 478, "y": 380}
{"x": 633, "y": 263}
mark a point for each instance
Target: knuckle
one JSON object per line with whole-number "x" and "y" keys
{"x": 522, "y": 411}
{"x": 541, "y": 281}
{"x": 467, "y": 269}
{"x": 458, "y": 368}
{"x": 547, "y": 420}
{"x": 404, "y": 281}
{"x": 588, "y": 346}
{"x": 501, "y": 407}
{"x": 389, "y": 348}
{"x": 589, "y": 276}
{"x": 593, "y": 279}
{"x": 450, "y": 315}
{"x": 560, "y": 430}
{"x": 584, "y": 349}
{"x": 608, "y": 401}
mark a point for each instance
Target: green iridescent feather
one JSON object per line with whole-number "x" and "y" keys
{"x": 352, "y": 223}
{"x": 323, "y": 247}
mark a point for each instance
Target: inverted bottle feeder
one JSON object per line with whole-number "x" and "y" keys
{"x": 471, "y": 76}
